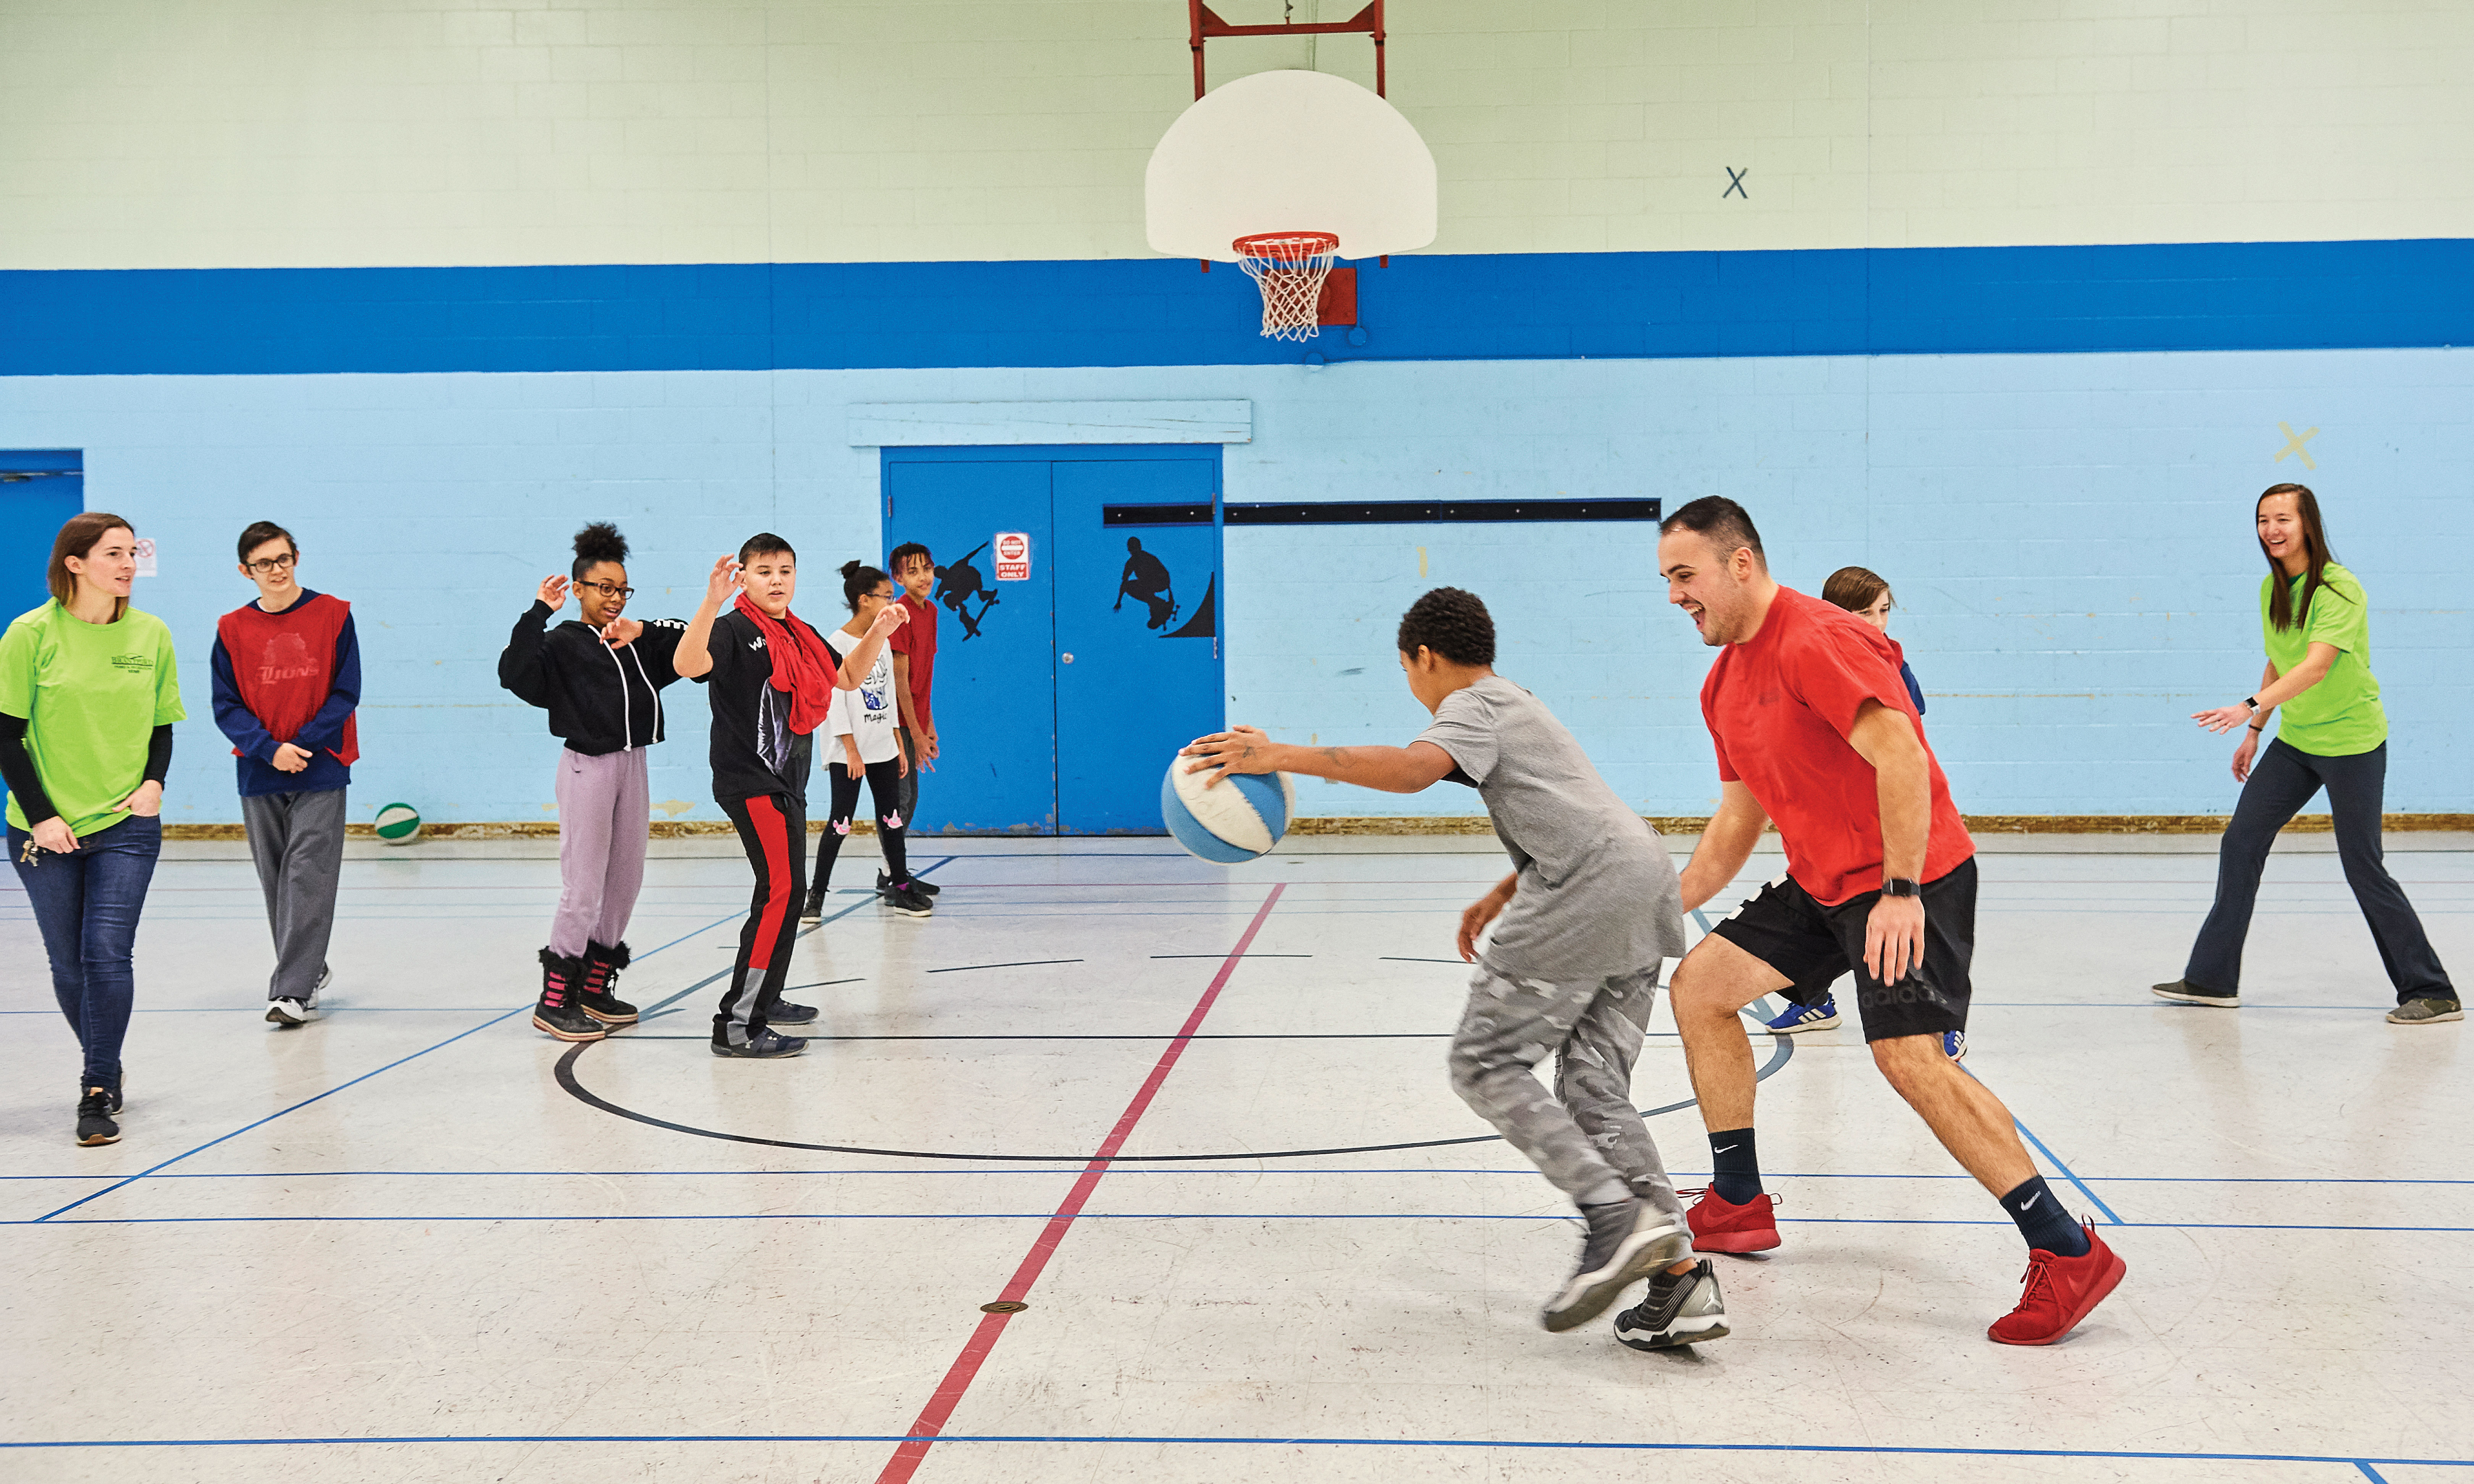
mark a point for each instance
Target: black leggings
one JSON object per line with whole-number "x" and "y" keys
{"x": 885, "y": 791}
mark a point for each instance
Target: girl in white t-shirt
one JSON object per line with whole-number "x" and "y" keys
{"x": 866, "y": 742}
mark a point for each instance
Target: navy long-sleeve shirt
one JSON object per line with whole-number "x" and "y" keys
{"x": 323, "y": 733}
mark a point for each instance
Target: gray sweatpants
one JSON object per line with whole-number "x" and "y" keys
{"x": 1589, "y": 1132}
{"x": 298, "y": 842}
{"x": 605, "y": 811}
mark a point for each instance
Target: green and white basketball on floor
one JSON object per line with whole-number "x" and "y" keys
{"x": 398, "y": 823}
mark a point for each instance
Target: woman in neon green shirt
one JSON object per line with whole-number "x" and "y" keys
{"x": 89, "y": 692}
{"x": 2335, "y": 735}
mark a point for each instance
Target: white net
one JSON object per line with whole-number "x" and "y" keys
{"x": 1289, "y": 268}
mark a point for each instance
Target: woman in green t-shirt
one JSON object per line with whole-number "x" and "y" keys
{"x": 2334, "y": 736}
{"x": 89, "y": 692}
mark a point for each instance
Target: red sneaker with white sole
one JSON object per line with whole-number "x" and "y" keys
{"x": 2061, "y": 1292}
{"x": 1720, "y": 1225}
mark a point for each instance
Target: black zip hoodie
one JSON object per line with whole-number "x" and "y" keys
{"x": 601, "y": 700}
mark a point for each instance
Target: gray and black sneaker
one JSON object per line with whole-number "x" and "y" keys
{"x": 921, "y": 882}
{"x": 2184, "y": 992}
{"x": 94, "y": 1124}
{"x": 907, "y": 900}
{"x": 785, "y": 1012}
{"x": 813, "y": 910}
{"x": 763, "y": 1046}
{"x": 2426, "y": 1010}
{"x": 1628, "y": 1240}
{"x": 1681, "y": 1308}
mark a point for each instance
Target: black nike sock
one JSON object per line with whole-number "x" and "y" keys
{"x": 1738, "y": 1176}
{"x": 2043, "y": 1220}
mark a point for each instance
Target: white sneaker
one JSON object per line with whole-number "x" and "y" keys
{"x": 288, "y": 1012}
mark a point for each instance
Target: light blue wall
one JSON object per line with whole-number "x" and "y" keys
{"x": 2068, "y": 536}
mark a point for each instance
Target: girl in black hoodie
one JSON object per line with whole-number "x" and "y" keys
{"x": 601, "y": 681}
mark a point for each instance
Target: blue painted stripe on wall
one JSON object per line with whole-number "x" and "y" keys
{"x": 852, "y": 316}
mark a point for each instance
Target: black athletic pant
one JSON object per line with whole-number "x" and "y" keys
{"x": 773, "y": 830}
{"x": 910, "y": 780}
{"x": 885, "y": 791}
{"x": 2284, "y": 780}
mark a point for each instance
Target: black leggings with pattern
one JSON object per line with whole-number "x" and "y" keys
{"x": 885, "y": 791}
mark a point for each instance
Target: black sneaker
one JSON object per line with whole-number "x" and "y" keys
{"x": 921, "y": 883}
{"x": 595, "y": 996}
{"x": 2189, "y": 993}
{"x": 813, "y": 910}
{"x": 1681, "y": 1308}
{"x": 907, "y": 900}
{"x": 1628, "y": 1240}
{"x": 762, "y": 1045}
{"x": 787, "y": 1014}
{"x": 556, "y": 1012}
{"x": 94, "y": 1117}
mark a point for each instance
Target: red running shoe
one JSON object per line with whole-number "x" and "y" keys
{"x": 1720, "y": 1225}
{"x": 2061, "y": 1292}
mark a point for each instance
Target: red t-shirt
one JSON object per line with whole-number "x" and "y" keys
{"x": 1780, "y": 706}
{"x": 916, "y": 641}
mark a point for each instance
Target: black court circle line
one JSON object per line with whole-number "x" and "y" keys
{"x": 566, "y": 1071}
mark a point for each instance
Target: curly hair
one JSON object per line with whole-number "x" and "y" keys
{"x": 1453, "y": 623}
{"x": 594, "y": 544}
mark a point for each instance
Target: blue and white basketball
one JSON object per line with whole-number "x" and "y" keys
{"x": 1241, "y": 818}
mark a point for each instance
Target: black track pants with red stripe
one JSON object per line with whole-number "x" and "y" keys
{"x": 773, "y": 831}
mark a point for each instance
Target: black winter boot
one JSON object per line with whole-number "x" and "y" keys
{"x": 593, "y": 996}
{"x": 557, "y": 1012}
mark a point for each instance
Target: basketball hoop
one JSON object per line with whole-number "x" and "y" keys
{"x": 1289, "y": 267}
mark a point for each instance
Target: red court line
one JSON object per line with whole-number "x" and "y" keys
{"x": 948, "y": 1394}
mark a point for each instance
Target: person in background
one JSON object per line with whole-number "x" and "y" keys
{"x": 871, "y": 748}
{"x": 89, "y": 693}
{"x": 1867, "y": 594}
{"x": 601, "y": 681}
{"x": 771, "y": 680}
{"x": 914, "y": 673}
{"x": 287, "y": 675}
{"x": 2317, "y": 621}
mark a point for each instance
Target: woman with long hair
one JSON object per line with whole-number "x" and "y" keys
{"x": 771, "y": 679}
{"x": 600, "y": 679}
{"x": 89, "y": 693}
{"x": 864, "y": 724}
{"x": 2317, "y": 623}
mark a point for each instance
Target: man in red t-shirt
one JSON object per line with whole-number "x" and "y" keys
{"x": 914, "y": 671}
{"x": 1815, "y": 730}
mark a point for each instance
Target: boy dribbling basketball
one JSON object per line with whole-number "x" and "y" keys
{"x": 1589, "y": 911}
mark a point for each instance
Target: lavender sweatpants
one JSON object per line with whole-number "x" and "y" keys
{"x": 605, "y": 811}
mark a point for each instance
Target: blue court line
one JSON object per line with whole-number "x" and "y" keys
{"x": 2029, "y": 1136}
{"x": 332, "y": 1091}
{"x": 1840, "y": 1450}
{"x": 1152, "y": 1216}
{"x": 2370, "y": 1473}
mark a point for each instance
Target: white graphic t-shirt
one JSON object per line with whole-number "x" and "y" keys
{"x": 867, "y": 714}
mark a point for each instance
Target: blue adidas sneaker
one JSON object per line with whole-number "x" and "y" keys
{"x": 1953, "y": 1046}
{"x": 1805, "y": 1018}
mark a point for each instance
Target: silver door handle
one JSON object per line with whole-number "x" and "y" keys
{"x": 1069, "y": 660}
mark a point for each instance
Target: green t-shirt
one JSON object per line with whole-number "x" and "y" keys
{"x": 2341, "y": 716}
{"x": 94, "y": 694}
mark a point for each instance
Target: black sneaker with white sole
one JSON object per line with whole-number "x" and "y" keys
{"x": 921, "y": 882}
{"x": 812, "y": 909}
{"x": 787, "y": 1014}
{"x": 1628, "y": 1240}
{"x": 1681, "y": 1308}
{"x": 2184, "y": 992}
{"x": 763, "y": 1046}
{"x": 94, "y": 1125}
{"x": 907, "y": 900}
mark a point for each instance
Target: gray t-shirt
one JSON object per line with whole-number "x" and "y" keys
{"x": 1597, "y": 895}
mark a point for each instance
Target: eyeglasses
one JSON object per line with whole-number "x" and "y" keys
{"x": 610, "y": 589}
{"x": 273, "y": 565}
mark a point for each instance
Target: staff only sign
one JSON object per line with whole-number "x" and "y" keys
{"x": 1013, "y": 557}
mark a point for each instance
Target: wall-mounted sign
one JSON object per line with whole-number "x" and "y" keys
{"x": 1013, "y": 557}
{"x": 146, "y": 555}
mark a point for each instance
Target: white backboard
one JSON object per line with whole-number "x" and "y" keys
{"x": 1281, "y": 151}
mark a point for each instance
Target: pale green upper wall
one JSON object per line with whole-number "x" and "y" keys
{"x": 141, "y": 133}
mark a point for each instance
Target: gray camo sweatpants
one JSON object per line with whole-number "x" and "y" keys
{"x": 1589, "y": 1132}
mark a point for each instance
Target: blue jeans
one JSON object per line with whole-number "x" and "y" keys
{"x": 87, "y": 904}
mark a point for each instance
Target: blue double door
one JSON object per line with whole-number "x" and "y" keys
{"x": 1078, "y": 629}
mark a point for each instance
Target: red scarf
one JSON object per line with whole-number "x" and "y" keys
{"x": 803, "y": 667}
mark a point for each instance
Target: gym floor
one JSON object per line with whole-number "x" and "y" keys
{"x": 419, "y": 1240}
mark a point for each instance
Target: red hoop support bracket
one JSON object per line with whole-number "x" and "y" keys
{"x": 1202, "y": 25}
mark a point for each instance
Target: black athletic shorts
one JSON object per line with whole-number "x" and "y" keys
{"x": 1806, "y": 942}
